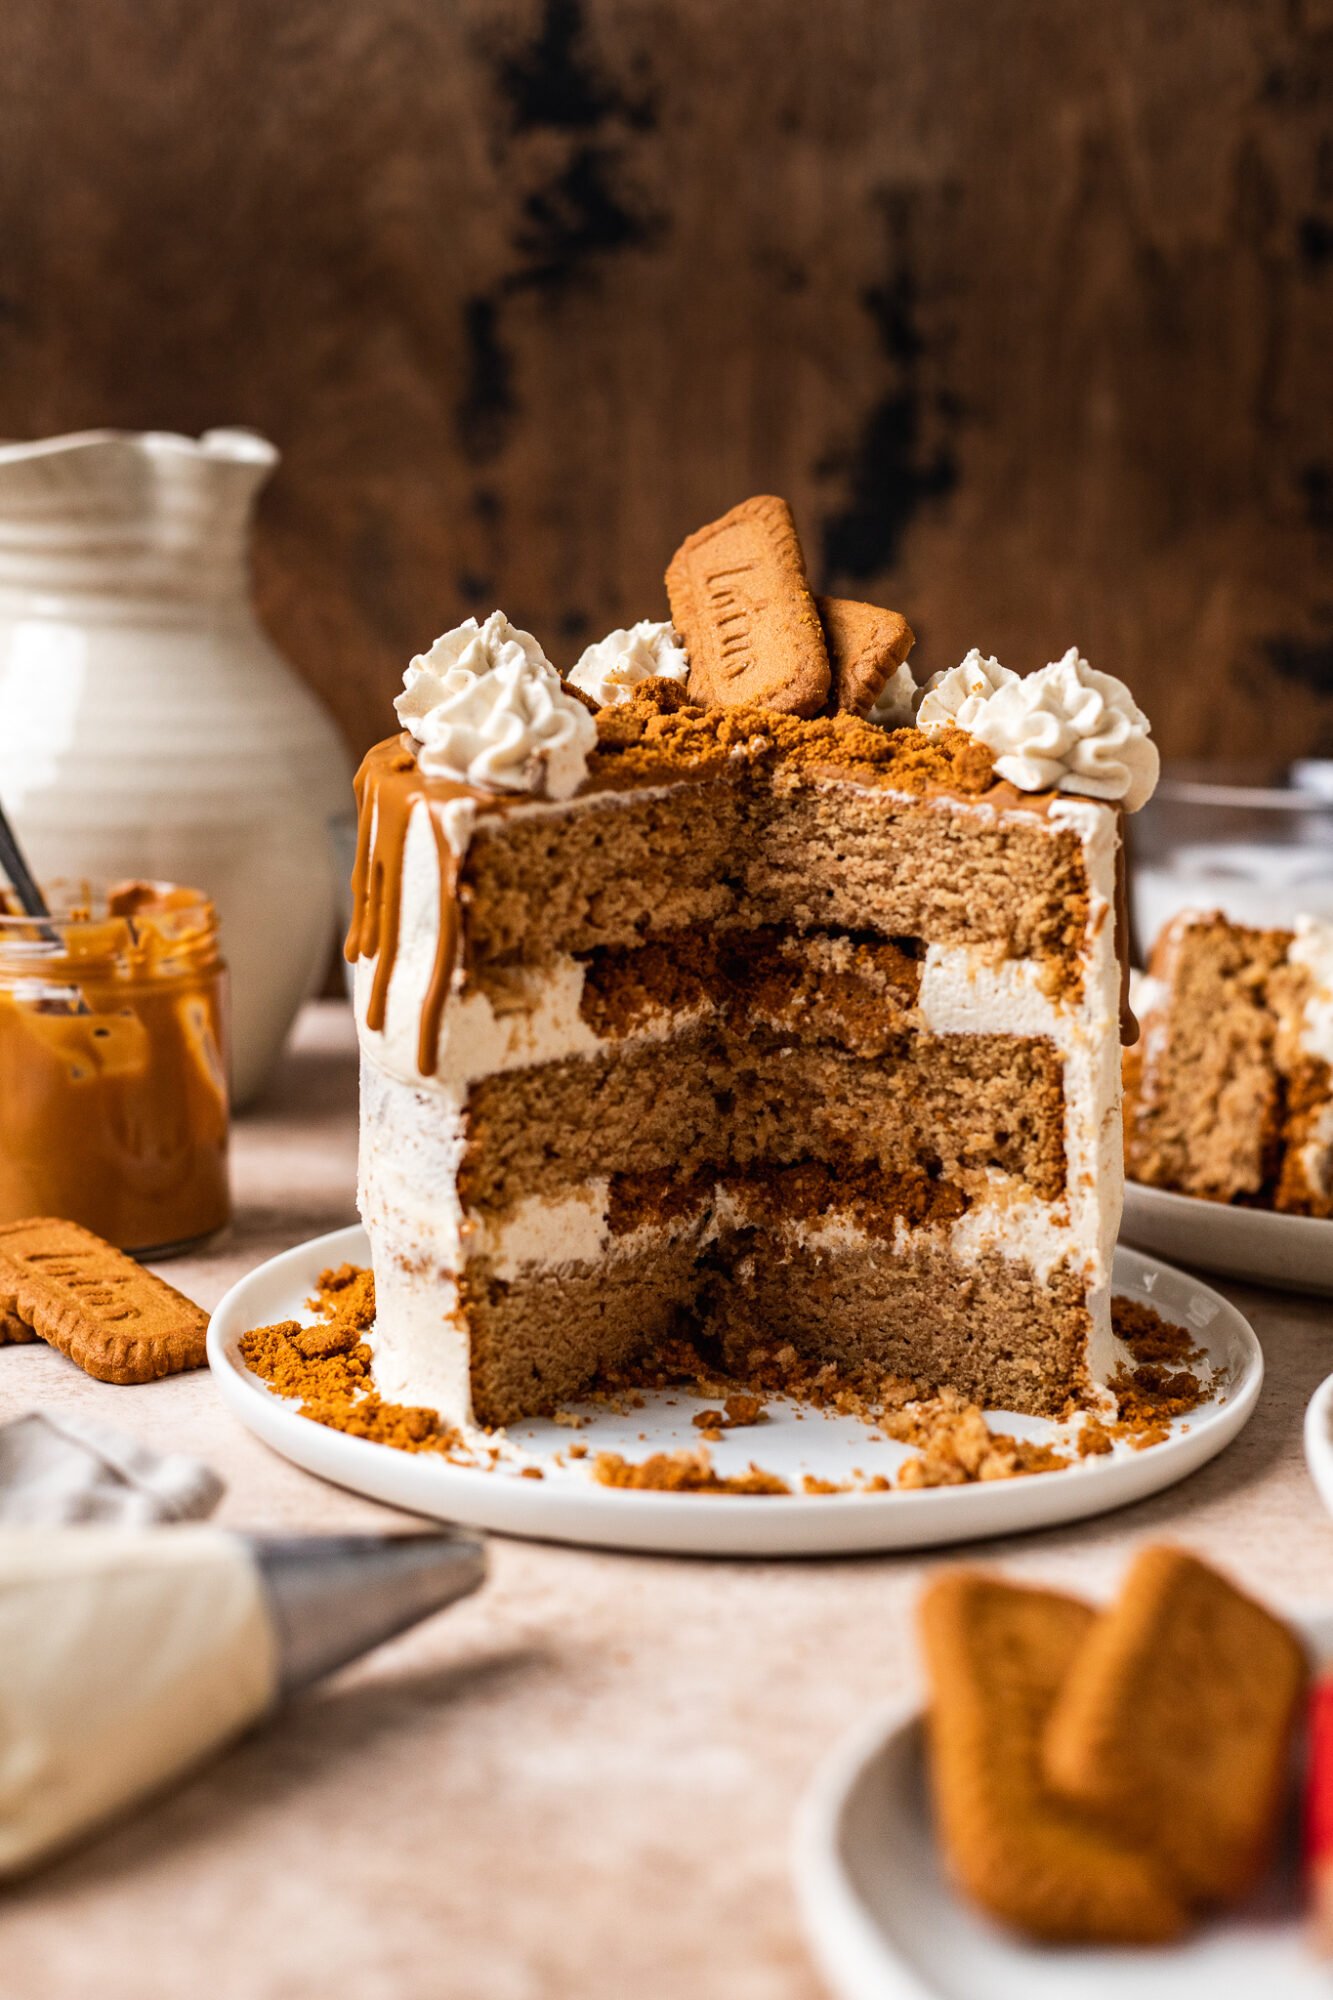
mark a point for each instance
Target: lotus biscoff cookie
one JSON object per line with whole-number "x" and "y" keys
{"x": 113, "y": 1318}
{"x": 1175, "y": 1722}
{"x": 742, "y": 605}
{"x": 996, "y": 1656}
{"x": 866, "y": 647}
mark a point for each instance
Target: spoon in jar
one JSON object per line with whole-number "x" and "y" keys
{"x": 31, "y": 900}
{"x": 12, "y": 860}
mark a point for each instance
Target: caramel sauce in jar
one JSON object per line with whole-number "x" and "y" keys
{"x": 113, "y": 1064}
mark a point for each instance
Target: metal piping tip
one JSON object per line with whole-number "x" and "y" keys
{"x": 334, "y": 1597}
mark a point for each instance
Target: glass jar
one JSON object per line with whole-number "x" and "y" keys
{"x": 113, "y": 1064}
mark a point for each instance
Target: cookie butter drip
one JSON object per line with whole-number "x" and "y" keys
{"x": 389, "y": 786}
{"x": 446, "y": 944}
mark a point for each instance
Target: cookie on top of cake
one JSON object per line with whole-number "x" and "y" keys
{"x": 736, "y": 991}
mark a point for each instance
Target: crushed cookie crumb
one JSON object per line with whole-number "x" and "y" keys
{"x": 1094, "y": 1439}
{"x": 326, "y": 1368}
{"x": 680, "y": 1472}
{"x": 657, "y": 731}
{"x": 1161, "y": 1384}
{"x": 738, "y": 1412}
{"x": 741, "y": 1410}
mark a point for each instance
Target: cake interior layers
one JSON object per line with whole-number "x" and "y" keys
{"x": 1225, "y": 1101}
{"x": 540, "y": 881}
{"x": 763, "y": 1148}
{"x": 955, "y": 1109}
{"x": 756, "y": 1305}
{"x": 784, "y": 1060}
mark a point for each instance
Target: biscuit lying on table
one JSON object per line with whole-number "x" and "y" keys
{"x": 1175, "y": 1721}
{"x": 115, "y": 1320}
{"x": 997, "y": 1656}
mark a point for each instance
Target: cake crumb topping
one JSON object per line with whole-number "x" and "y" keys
{"x": 660, "y": 731}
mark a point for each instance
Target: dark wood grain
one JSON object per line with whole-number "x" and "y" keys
{"x": 1026, "y": 306}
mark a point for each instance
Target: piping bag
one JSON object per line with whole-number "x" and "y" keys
{"x": 127, "y": 1656}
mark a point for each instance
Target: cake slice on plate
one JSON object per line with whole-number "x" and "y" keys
{"x": 696, "y": 1005}
{"x": 1231, "y": 1088}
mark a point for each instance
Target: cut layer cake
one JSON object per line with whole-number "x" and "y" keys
{"x": 737, "y": 992}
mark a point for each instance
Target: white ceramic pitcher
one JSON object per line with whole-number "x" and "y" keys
{"x": 147, "y": 725}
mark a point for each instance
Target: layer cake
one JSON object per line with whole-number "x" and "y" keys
{"x": 717, "y": 995}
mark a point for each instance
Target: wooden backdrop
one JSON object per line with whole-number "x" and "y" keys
{"x": 1026, "y": 304}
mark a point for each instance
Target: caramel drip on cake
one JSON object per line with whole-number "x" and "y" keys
{"x": 446, "y": 944}
{"x": 389, "y": 785}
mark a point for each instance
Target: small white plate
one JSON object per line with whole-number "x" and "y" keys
{"x": 1294, "y": 1252}
{"x": 1319, "y": 1440}
{"x": 885, "y": 1924}
{"x": 567, "y": 1505}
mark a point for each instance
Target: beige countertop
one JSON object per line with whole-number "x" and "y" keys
{"x": 581, "y": 1781}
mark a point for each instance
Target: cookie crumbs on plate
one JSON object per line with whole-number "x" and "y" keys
{"x": 1094, "y": 1439}
{"x": 1161, "y": 1384}
{"x": 326, "y": 1367}
{"x": 680, "y": 1472}
{"x": 960, "y": 1448}
{"x": 737, "y": 1412}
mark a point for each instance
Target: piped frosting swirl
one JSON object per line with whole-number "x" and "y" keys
{"x": 1067, "y": 728}
{"x": 610, "y": 671}
{"x": 955, "y": 698}
{"x": 486, "y": 707}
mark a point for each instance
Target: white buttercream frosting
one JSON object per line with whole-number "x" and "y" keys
{"x": 1067, "y": 728}
{"x": 1312, "y": 949}
{"x": 893, "y": 705}
{"x": 486, "y": 707}
{"x": 954, "y": 698}
{"x": 611, "y": 670}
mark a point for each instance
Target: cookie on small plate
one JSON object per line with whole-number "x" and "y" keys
{"x": 1175, "y": 1721}
{"x": 997, "y": 1655}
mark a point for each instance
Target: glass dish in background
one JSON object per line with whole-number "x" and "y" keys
{"x": 113, "y": 1064}
{"x": 1255, "y": 844}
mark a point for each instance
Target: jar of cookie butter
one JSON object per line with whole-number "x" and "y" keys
{"x": 113, "y": 1064}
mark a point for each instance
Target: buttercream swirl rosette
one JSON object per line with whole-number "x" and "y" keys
{"x": 610, "y": 671}
{"x": 1067, "y": 728}
{"x": 486, "y": 707}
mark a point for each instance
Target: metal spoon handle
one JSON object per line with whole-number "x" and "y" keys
{"x": 19, "y": 873}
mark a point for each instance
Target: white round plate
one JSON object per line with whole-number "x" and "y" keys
{"x": 884, "y": 1924}
{"x": 567, "y": 1505}
{"x": 1294, "y": 1252}
{"x": 1319, "y": 1440}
